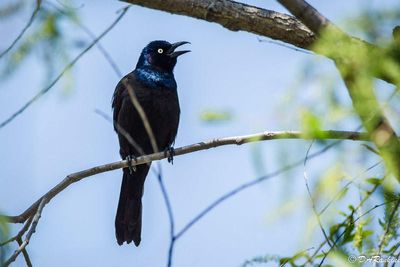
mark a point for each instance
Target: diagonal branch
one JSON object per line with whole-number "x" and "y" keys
{"x": 314, "y": 207}
{"x": 307, "y": 14}
{"x": 25, "y": 253}
{"x": 235, "y": 140}
{"x": 28, "y": 24}
{"x": 22, "y": 246}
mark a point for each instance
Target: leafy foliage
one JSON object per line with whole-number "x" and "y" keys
{"x": 360, "y": 216}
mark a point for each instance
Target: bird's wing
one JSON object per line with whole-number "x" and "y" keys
{"x": 121, "y": 95}
{"x": 117, "y": 102}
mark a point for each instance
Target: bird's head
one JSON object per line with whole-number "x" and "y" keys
{"x": 160, "y": 55}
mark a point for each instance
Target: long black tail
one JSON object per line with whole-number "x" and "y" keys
{"x": 128, "y": 222}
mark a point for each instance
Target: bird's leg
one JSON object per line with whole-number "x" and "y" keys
{"x": 171, "y": 153}
{"x": 132, "y": 168}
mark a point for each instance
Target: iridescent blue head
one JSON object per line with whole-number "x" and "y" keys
{"x": 160, "y": 55}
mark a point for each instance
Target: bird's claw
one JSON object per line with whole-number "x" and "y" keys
{"x": 171, "y": 153}
{"x": 132, "y": 168}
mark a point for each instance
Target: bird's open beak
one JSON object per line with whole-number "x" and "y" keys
{"x": 174, "y": 54}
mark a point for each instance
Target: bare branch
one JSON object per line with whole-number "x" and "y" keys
{"x": 121, "y": 131}
{"x": 170, "y": 216}
{"x": 32, "y": 230}
{"x": 244, "y": 186}
{"x": 241, "y": 17}
{"x": 28, "y": 24}
{"x": 69, "y": 66}
{"x": 20, "y": 233}
{"x": 25, "y": 253}
{"x": 142, "y": 114}
{"x": 307, "y": 14}
{"x": 102, "y": 50}
{"x": 235, "y": 140}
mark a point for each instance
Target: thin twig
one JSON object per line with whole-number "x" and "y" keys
{"x": 25, "y": 253}
{"x": 346, "y": 186}
{"x": 28, "y": 24}
{"x": 142, "y": 114}
{"x": 235, "y": 140}
{"x": 66, "y": 68}
{"x": 121, "y": 131}
{"x": 292, "y": 47}
{"x": 20, "y": 233}
{"x": 354, "y": 221}
{"x": 314, "y": 208}
{"x": 102, "y": 50}
{"x": 392, "y": 214}
{"x": 170, "y": 216}
{"x": 31, "y": 231}
{"x": 345, "y": 220}
{"x": 244, "y": 186}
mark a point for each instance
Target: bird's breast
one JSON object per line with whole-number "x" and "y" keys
{"x": 156, "y": 80}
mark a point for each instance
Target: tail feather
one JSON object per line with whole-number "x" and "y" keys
{"x": 128, "y": 221}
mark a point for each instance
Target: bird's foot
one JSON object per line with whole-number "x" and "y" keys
{"x": 171, "y": 153}
{"x": 132, "y": 168}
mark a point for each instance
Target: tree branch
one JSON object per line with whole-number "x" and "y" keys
{"x": 307, "y": 14}
{"x": 359, "y": 85}
{"x": 32, "y": 230}
{"x": 238, "y": 17}
{"x": 25, "y": 253}
{"x": 235, "y": 140}
{"x": 241, "y": 17}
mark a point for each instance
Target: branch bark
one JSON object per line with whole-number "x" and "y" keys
{"x": 238, "y": 17}
{"x": 241, "y": 17}
{"x": 32, "y": 230}
{"x": 235, "y": 140}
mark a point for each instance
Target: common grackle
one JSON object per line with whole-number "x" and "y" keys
{"x": 155, "y": 88}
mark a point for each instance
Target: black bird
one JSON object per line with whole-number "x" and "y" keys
{"x": 155, "y": 88}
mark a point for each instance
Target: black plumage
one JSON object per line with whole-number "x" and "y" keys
{"x": 155, "y": 88}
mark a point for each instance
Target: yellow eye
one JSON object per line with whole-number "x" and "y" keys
{"x": 160, "y": 51}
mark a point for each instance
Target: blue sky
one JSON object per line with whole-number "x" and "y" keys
{"x": 61, "y": 134}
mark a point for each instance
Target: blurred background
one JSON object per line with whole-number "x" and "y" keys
{"x": 232, "y": 83}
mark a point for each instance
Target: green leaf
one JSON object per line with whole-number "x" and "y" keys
{"x": 311, "y": 125}
{"x": 215, "y": 116}
{"x": 374, "y": 181}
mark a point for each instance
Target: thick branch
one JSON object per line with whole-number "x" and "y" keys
{"x": 235, "y": 140}
{"x": 238, "y": 17}
{"x": 307, "y": 14}
{"x": 241, "y": 17}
